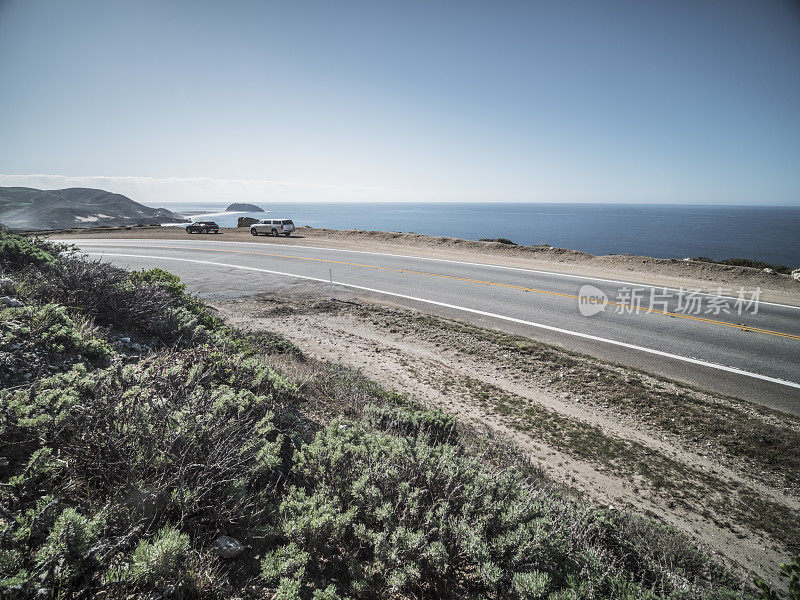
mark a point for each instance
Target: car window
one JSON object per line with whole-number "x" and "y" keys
{"x": 288, "y": 222}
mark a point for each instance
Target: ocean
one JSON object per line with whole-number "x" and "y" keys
{"x": 770, "y": 234}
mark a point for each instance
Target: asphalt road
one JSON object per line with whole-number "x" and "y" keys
{"x": 747, "y": 352}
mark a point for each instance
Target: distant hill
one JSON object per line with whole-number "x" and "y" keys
{"x": 244, "y": 207}
{"x": 28, "y": 208}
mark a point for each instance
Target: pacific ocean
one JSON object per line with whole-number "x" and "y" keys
{"x": 770, "y": 234}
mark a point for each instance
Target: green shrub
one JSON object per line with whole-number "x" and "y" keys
{"x": 160, "y": 559}
{"x": 791, "y": 573}
{"x": 505, "y": 241}
{"x": 436, "y": 425}
{"x": 41, "y": 339}
{"x": 269, "y": 342}
{"x": 177, "y": 290}
{"x": 401, "y": 517}
{"x": 288, "y": 589}
{"x": 746, "y": 262}
{"x": 284, "y": 562}
{"x": 530, "y": 586}
{"x": 17, "y": 252}
{"x": 176, "y": 425}
{"x": 67, "y": 549}
{"x": 329, "y": 593}
{"x": 111, "y": 297}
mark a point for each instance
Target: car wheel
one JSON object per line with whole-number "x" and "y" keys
{"x": 288, "y": 233}
{"x": 253, "y": 232}
{"x": 275, "y": 232}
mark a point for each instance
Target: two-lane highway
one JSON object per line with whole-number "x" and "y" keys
{"x": 729, "y": 343}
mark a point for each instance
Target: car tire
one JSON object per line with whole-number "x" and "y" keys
{"x": 288, "y": 233}
{"x": 275, "y": 232}
{"x": 253, "y": 232}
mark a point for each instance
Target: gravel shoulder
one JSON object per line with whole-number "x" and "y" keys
{"x": 639, "y": 269}
{"x": 722, "y": 470}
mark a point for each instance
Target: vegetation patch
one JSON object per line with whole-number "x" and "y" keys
{"x": 695, "y": 489}
{"x": 746, "y": 262}
{"x": 757, "y": 441}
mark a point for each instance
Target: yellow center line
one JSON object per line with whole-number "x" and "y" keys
{"x": 496, "y": 284}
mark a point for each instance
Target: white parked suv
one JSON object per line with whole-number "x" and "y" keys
{"x": 272, "y": 227}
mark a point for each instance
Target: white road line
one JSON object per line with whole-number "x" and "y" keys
{"x": 444, "y": 260}
{"x": 477, "y": 312}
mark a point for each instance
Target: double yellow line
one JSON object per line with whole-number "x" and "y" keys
{"x": 496, "y": 284}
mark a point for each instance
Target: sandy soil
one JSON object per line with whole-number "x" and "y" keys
{"x": 640, "y": 269}
{"x": 479, "y": 383}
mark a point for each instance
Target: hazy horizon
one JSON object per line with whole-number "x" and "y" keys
{"x": 615, "y": 102}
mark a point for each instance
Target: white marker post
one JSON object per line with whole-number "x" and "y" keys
{"x": 330, "y": 279}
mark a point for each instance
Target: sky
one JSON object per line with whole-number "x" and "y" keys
{"x": 647, "y": 101}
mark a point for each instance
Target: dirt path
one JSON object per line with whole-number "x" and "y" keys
{"x": 604, "y": 450}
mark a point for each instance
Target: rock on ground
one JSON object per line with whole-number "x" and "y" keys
{"x": 227, "y": 547}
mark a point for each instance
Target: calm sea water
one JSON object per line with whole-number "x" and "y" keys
{"x": 771, "y": 234}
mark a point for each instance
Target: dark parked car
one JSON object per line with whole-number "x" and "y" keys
{"x": 202, "y": 227}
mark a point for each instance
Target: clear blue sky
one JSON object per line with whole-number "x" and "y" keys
{"x": 640, "y": 101}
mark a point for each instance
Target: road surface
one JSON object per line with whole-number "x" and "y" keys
{"x": 724, "y": 343}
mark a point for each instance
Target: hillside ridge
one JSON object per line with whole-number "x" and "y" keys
{"x": 34, "y": 209}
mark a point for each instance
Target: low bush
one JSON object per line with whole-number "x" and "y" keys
{"x": 68, "y": 550}
{"x": 435, "y": 425}
{"x": 746, "y": 262}
{"x": 388, "y": 516}
{"x": 505, "y": 241}
{"x": 17, "y": 252}
{"x": 790, "y": 572}
{"x": 177, "y": 290}
{"x": 36, "y": 340}
{"x": 268, "y": 342}
{"x": 110, "y": 297}
{"x": 170, "y": 442}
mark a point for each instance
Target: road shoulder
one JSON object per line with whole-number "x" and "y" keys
{"x": 623, "y": 438}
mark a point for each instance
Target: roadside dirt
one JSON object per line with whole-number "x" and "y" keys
{"x": 639, "y": 269}
{"x": 595, "y": 427}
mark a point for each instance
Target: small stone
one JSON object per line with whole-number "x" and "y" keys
{"x": 227, "y": 547}
{"x": 10, "y": 302}
{"x": 125, "y": 340}
{"x": 6, "y": 285}
{"x": 796, "y": 274}
{"x": 768, "y": 271}
{"x": 136, "y": 347}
